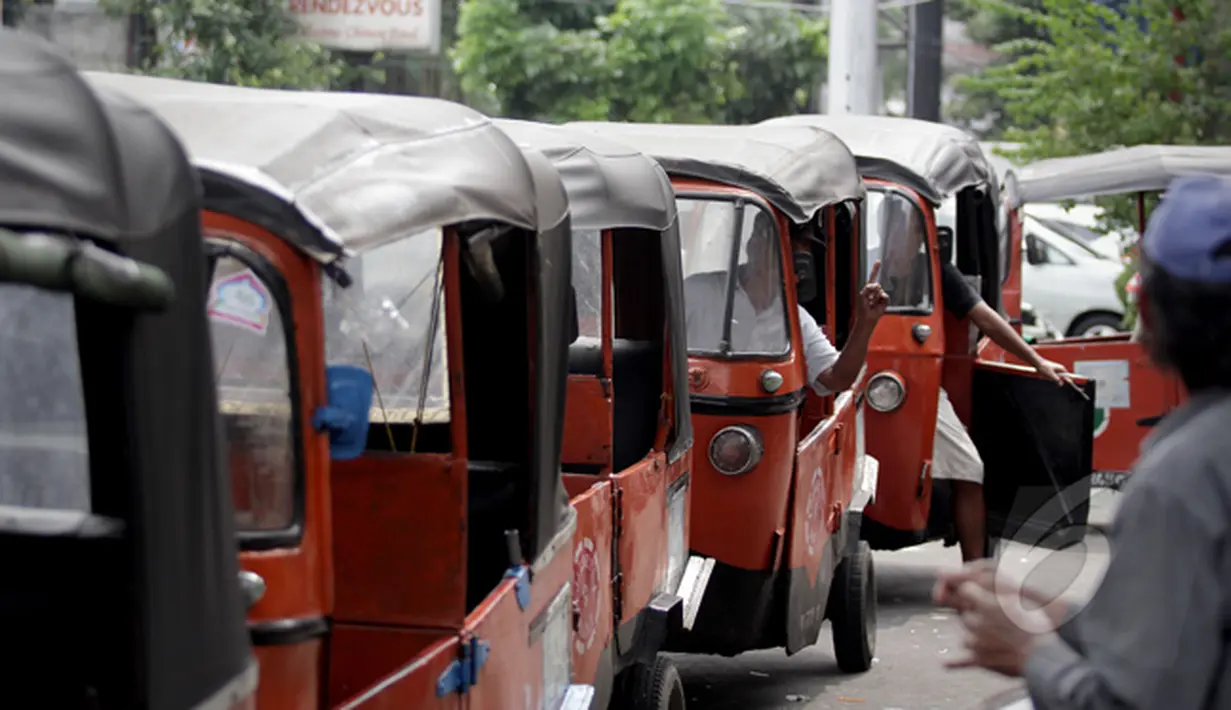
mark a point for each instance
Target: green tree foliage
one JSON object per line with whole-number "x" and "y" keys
{"x": 241, "y": 42}
{"x": 636, "y": 60}
{"x": 1108, "y": 80}
{"x": 779, "y": 58}
{"x": 1010, "y": 35}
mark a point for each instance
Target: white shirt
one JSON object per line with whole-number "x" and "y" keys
{"x": 751, "y": 331}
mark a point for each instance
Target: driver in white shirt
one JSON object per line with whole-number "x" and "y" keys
{"x": 758, "y": 320}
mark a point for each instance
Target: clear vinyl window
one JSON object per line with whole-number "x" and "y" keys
{"x": 44, "y": 450}
{"x": 384, "y": 323}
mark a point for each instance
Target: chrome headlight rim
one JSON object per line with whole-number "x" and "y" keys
{"x": 756, "y": 447}
{"x": 886, "y": 376}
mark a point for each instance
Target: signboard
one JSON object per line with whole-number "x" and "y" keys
{"x": 371, "y": 25}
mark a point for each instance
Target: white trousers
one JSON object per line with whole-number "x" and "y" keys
{"x": 954, "y": 456}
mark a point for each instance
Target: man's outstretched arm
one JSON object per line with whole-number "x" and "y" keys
{"x": 1001, "y": 333}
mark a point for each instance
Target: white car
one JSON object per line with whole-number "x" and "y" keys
{"x": 1080, "y": 223}
{"x": 1069, "y": 283}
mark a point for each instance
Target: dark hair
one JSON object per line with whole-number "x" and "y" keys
{"x": 1190, "y": 327}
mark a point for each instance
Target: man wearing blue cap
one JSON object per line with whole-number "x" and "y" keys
{"x": 1157, "y": 632}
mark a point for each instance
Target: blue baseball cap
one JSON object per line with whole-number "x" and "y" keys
{"x": 1189, "y": 234}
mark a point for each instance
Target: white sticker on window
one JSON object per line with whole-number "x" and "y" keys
{"x": 241, "y": 300}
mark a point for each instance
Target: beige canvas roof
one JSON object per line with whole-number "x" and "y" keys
{"x": 609, "y": 185}
{"x": 799, "y": 170}
{"x": 935, "y": 160}
{"x": 364, "y": 169}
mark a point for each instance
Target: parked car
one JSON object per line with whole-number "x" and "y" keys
{"x": 1080, "y": 223}
{"x": 1070, "y": 284}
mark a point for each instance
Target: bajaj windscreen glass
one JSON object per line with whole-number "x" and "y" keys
{"x": 740, "y": 312}
{"x": 588, "y": 281}
{"x": 44, "y": 452}
{"x": 254, "y": 395}
{"x": 897, "y": 237}
{"x": 391, "y": 321}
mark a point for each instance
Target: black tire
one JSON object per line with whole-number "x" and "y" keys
{"x": 1095, "y": 320}
{"x": 852, "y": 599}
{"x": 652, "y": 687}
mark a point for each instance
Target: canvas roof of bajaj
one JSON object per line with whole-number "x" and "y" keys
{"x": 1034, "y": 439}
{"x": 779, "y": 496}
{"x": 114, "y": 515}
{"x": 434, "y": 551}
{"x": 628, "y": 432}
{"x": 1133, "y": 394}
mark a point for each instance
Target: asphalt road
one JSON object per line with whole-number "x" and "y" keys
{"x": 914, "y": 639}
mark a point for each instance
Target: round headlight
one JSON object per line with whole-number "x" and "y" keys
{"x": 736, "y": 449}
{"x": 886, "y": 391}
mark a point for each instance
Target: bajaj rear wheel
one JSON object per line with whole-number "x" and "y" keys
{"x": 853, "y": 600}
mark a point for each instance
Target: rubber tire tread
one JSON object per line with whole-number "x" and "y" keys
{"x": 657, "y": 687}
{"x": 854, "y": 647}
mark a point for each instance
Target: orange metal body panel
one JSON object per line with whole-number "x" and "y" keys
{"x": 299, "y": 579}
{"x": 414, "y": 685}
{"x": 740, "y": 520}
{"x": 401, "y": 552}
{"x": 902, "y": 440}
{"x": 591, "y": 574}
{"x": 588, "y": 416}
{"x": 363, "y": 655}
{"x": 1011, "y": 288}
{"x": 288, "y": 673}
{"x": 643, "y": 544}
{"x": 516, "y": 671}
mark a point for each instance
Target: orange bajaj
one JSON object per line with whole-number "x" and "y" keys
{"x": 115, "y": 519}
{"x": 1033, "y": 437}
{"x": 628, "y": 434}
{"x": 390, "y": 292}
{"x": 774, "y": 530}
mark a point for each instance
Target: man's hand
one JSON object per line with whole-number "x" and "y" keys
{"x": 1001, "y": 632}
{"x": 1055, "y": 372}
{"x": 872, "y": 300}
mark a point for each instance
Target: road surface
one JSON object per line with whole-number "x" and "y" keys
{"x": 914, "y": 640}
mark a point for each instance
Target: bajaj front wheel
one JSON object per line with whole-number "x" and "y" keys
{"x": 853, "y": 600}
{"x": 656, "y": 686}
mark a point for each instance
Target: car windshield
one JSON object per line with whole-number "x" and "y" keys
{"x": 1069, "y": 238}
{"x": 744, "y": 315}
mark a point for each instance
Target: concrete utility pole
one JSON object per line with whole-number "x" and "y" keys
{"x": 853, "y": 58}
{"x": 925, "y": 72}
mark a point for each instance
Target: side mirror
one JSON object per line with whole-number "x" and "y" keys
{"x": 348, "y": 413}
{"x": 805, "y": 277}
{"x": 1028, "y": 316}
{"x": 944, "y": 240}
{"x": 1036, "y": 253}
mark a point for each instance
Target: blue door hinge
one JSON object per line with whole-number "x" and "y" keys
{"x": 463, "y": 673}
{"x": 521, "y": 573}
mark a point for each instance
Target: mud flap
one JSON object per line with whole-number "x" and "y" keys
{"x": 1036, "y": 441}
